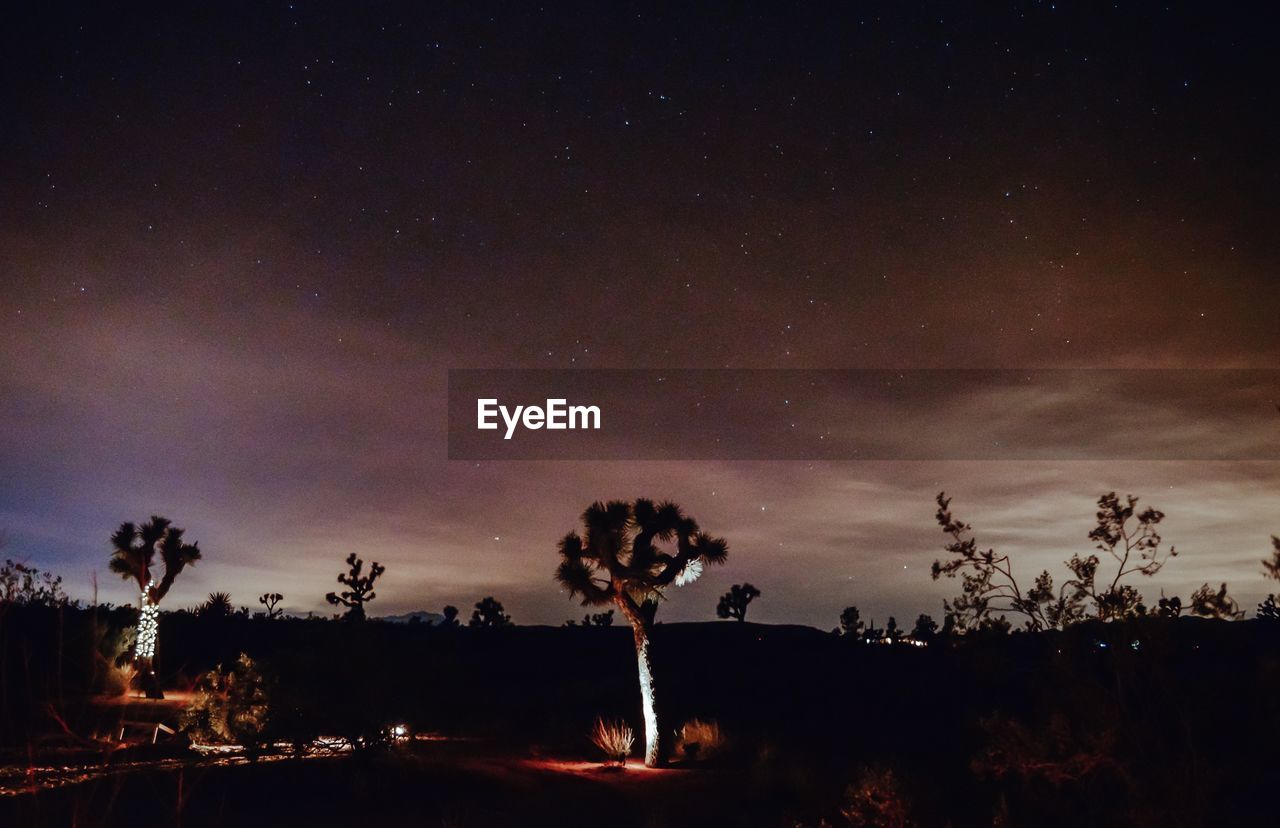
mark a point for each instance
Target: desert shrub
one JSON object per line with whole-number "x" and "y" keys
{"x": 231, "y": 706}
{"x": 698, "y": 739}
{"x": 113, "y": 668}
{"x": 614, "y": 737}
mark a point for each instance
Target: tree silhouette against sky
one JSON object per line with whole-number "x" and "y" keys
{"x": 489, "y": 612}
{"x": 989, "y": 586}
{"x": 359, "y": 587}
{"x": 733, "y": 604}
{"x": 133, "y": 552}
{"x": 627, "y": 555}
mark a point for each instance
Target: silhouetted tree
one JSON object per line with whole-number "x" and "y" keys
{"x": 891, "y": 630}
{"x": 1168, "y": 607}
{"x": 733, "y": 604}
{"x": 270, "y": 600}
{"x": 1268, "y": 610}
{"x": 450, "y": 614}
{"x": 850, "y": 622}
{"x": 1271, "y": 566}
{"x": 925, "y": 629}
{"x": 989, "y": 586}
{"x": 133, "y": 552}
{"x": 1135, "y": 547}
{"x": 618, "y": 560}
{"x": 218, "y": 605}
{"x": 359, "y": 587}
{"x": 1207, "y": 603}
{"x": 597, "y": 619}
{"x": 489, "y": 613}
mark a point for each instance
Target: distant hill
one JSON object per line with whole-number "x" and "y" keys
{"x": 419, "y": 617}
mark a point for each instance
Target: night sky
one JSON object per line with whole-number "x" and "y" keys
{"x": 240, "y": 246}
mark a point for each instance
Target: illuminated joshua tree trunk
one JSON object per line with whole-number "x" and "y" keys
{"x": 144, "y": 651}
{"x": 648, "y": 694}
{"x": 628, "y": 555}
{"x": 148, "y": 629}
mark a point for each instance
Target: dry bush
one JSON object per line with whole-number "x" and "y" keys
{"x": 614, "y": 737}
{"x": 700, "y": 740}
{"x": 113, "y": 669}
{"x": 230, "y": 707}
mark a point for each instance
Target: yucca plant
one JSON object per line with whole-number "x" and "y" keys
{"x": 620, "y": 559}
{"x": 218, "y": 605}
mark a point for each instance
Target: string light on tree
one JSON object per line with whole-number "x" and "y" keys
{"x": 148, "y": 625}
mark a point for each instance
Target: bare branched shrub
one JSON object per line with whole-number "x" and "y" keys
{"x": 700, "y": 740}
{"x": 614, "y": 737}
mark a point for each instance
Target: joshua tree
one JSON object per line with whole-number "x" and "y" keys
{"x": 218, "y": 606}
{"x": 270, "y": 600}
{"x": 133, "y": 552}
{"x": 359, "y": 589}
{"x": 489, "y": 613}
{"x": 850, "y": 622}
{"x": 618, "y": 560}
{"x": 733, "y": 604}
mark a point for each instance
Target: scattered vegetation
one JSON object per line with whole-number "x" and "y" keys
{"x": 593, "y": 619}
{"x": 990, "y": 590}
{"x": 25, "y": 585}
